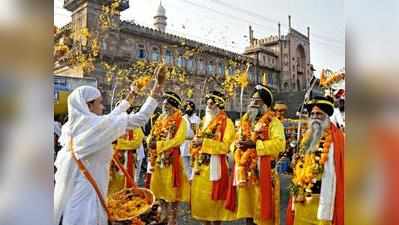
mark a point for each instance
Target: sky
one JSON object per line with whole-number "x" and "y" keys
{"x": 224, "y": 23}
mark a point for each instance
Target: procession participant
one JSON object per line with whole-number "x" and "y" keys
{"x": 338, "y": 117}
{"x": 193, "y": 121}
{"x": 260, "y": 140}
{"x": 86, "y": 138}
{"x": 210, "y": 172}
{"x": 128, "y": 147}
{"x": 319, "y": 173}
{"x": 168, "y": 181}
{"x": 280, "y": 109}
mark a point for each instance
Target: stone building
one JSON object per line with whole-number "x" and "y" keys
{"x": 283, "y": 59}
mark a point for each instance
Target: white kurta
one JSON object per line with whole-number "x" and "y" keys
{"x": 185, "y": 147}
{"x": 75, "y": 198}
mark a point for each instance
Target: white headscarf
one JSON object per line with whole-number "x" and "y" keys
{"x": 90, "y": 133}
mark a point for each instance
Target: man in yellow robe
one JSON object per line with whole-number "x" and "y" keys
{"x": 127, "y": 148}
{"x": 318, "y": 179}
{"x": 259, "y": 141}
{"x": 168, "y": 181}
{"x": 210, "y": 172}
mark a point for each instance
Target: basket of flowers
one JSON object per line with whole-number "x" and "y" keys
{"x": 129, "y": 203}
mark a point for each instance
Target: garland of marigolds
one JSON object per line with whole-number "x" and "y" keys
{"x": 248, "y": 159}
{"x": 310, "y": 166}
{"x": 214, "y": 131}
{"x": 164, "y": 129}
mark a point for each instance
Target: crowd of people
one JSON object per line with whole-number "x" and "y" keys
{"x": 224, "y": 170}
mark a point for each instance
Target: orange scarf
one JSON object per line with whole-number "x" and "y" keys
{"x": 219, "y": 187}
{"x": 339, "y": 144}
{"x": 130, "y": 162}
{"x": 265, "y": 172}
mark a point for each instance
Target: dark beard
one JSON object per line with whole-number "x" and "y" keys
{"x": 189, "y": 112}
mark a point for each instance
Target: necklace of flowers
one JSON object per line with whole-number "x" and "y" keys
{"x": 213, "y": 130}
{"x": 310, "y": 166}
{"x": 248, "y": 159}
{"x": 161, "y": 125}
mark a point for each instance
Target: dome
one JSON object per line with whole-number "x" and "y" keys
{"x": 161, "y": 10}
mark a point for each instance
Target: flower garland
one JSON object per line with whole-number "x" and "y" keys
{"x": 247, "y": 160}
{"x": 213, "y": 131}
{"x": 164, "y": 129}
{"x": 326, "y": 81}
{"x": 309, "y": 167}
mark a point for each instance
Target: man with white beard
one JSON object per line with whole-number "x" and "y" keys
{"x": 210, "y": 171}
{"x": 260, "y": 140}
{"x": 318, "y": 182}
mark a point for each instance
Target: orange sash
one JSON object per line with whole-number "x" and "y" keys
{"x": 339, "y": 143}
{"x": 265, "y": 174}
{"x": 220, "y": 186}
{"x": 175, "y": 155}
{"x": 231, "y": 201}
{"x": 130, "y": 162}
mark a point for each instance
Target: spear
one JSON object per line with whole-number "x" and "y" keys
{"x": 243, "y": 80}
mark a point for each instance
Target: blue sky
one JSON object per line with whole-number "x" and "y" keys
{"x": 224, "y": 23}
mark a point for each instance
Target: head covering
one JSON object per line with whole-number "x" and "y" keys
{"x": 189, "y": 106}
{"x": 217, "y": 97}
{"x": 265, "y": 94}
{"x": 172, "y": 98}
{"x": 324, "y": 103}
{"x": 78, "y": 99}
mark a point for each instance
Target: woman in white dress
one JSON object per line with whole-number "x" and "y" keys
{"x": 92, "y": 134}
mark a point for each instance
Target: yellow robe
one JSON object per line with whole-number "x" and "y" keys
{"x": 117, "y": 181}
{"x": 162, "y": 178}
{"x": 202, "y": 206}
{"x": 248, "y": 197}
{"x": 125, "y": 144}
{"x": 306, "y": 213}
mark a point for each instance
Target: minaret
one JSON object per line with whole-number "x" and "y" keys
{"x": 279, "y": 30}
{"x": 251, "y": 36}
{"x": 160, "y": 18}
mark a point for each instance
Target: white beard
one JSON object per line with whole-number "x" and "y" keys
{"x": 317, "y": 128}
{"x": 209, "y": 116}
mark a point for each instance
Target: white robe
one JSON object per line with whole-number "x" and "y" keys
{"x": 328, "y": 189}
{"x": 74, "y": 196}
{"x": 185, "y": 147}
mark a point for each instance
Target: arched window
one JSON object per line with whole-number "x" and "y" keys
{"x": 168, "y": 57}
{"x": 220, "y": 69}
{"x": 201, "y": 66}
{"x": 140, "y": 51}
{"x": 189, "y": 65}
{"x": 180, "y": 61}
{"x": 155, "y": 55}
{"x": 211, "y": 69}
{"x": 285, "y": 85}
